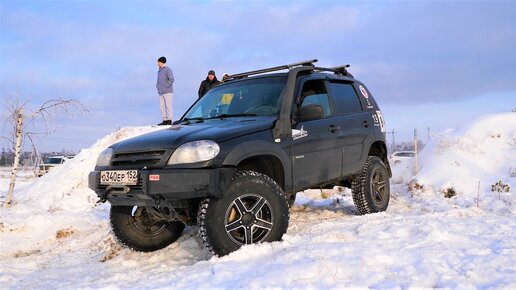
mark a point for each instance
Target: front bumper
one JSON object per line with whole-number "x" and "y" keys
{"x": 173, "y": 184}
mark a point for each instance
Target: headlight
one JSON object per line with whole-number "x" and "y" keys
{"x": 195, "y": 151}
{"x": 105, "y": 157}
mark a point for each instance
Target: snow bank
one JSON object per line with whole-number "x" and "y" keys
{"x": 466, "y": 164}
{"x": 54, "y": 236}
{"x": 58, "y": 204}
{"x": 66, "y": 187}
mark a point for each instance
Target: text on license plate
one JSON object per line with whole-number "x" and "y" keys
{"x": 119, "y": 177}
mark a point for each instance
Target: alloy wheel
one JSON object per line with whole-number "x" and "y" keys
{"x": 248, "y": 219}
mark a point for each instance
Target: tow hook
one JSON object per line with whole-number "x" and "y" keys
{"x": 115, "y": 190}
{"x": 103, "y": 196}
{"x": 100, "y": 201}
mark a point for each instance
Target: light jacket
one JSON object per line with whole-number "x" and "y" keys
{"x": 165, "y": 81}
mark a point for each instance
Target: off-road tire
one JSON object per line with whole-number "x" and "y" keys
{"x": 222, "y": 226}
{"x": 142, "y": 236}
{"x": 371, "y": 190}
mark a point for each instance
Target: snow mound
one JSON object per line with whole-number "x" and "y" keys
{"x": 66, "y": 187}
{"x": 56, "y": 213}
{"x": 477, "y": 164}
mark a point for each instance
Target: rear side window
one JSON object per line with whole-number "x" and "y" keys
{"x": 346, "y": 99}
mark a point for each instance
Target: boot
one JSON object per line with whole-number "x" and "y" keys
{"x": 165, "y": 122}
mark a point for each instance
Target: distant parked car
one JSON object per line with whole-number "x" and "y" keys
{"x": 399, "y": 156}
{"x": 49, "y": 164}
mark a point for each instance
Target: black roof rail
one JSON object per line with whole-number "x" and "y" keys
{"x": 341, "y": 69}
{"x": 309, "y": 62}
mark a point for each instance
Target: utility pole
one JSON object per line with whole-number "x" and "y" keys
{"x": 428, "y": 134}
{"x": 393, "y": 140}
{"x": 416, "y": 149}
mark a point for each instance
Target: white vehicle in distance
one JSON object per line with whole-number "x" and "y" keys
{"x": 399, "y": 156}
{"x": 49, "y": 164}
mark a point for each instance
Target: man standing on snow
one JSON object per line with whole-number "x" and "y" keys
{"x": 210, "y": 82}
{"x": 165, "y": 90}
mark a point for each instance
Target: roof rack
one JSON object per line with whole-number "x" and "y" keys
{"x": 341, "y": 70}
{"x": 309, "y": 62}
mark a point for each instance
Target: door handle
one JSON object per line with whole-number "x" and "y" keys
{"x": 334, "y": 128}
{"x": 365, "y": 123}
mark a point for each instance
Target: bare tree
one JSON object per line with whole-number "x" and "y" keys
{"x": 34, "y": 124}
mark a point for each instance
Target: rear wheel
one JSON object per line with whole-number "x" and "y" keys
{"x": 253, "y": 210}
{"x": 134, "y": 227}
{"x": 371, "y": 189}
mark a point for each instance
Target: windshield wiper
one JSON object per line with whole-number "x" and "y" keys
{"x": 222, "y": 116}
{"x": 189, "y": 120}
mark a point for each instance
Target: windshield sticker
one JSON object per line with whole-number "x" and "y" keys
{"x": 298, "y": 134}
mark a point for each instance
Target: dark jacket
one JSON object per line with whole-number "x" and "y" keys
{"x": 206, "y": 85}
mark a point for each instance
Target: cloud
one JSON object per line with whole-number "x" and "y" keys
{"x": 441, "y": 53}
{"x": 104, "y": 53}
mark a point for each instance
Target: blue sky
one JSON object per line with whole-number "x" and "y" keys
{"x": 431, "y": 64}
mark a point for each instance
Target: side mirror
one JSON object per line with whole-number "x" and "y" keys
{"x": 311, "y": 112}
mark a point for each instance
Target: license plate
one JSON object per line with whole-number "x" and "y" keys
{"x": 119, "y": 177}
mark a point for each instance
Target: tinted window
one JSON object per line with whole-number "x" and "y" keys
{"x": 346, "y": 99}
{"x": 259, "y": 97}
{"x": 53, "y": 160}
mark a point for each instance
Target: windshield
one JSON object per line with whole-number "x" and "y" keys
{"x": 254, "y": 97}
{"x": 53, "y": 160}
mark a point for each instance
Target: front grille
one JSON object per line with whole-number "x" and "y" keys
{"x": 145, "y": 158}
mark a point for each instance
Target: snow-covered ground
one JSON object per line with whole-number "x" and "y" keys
{"x": 55, "y": 236}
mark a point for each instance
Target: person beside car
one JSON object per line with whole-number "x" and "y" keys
{"x": 164, "y": 85}
{"x": 207, "y": 84}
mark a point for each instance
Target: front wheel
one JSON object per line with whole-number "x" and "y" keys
{"x": 134, "y": 227}
{"x": 253, "y": 210}
{"x": 371, "y": 189}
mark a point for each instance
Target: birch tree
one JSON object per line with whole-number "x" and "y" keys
{"x": 26, "y": 124}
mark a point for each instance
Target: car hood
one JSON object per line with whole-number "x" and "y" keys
{"x": 216, "y": 129}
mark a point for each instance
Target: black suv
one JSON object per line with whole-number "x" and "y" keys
{"x": 233, "y": 163}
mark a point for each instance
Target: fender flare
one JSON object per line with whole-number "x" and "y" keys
{"x": 254, "y": 148}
